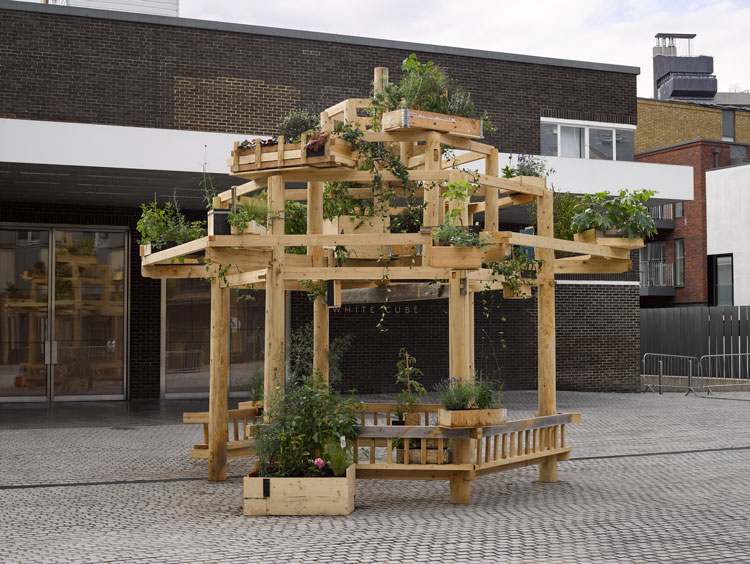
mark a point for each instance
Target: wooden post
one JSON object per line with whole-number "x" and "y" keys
{"x": 491, "y": 212}
{"x": 273, "y": 361}
{"x": 460, "y": 481}
{"x": 432, "y": 161}
{"x": 546, "y": 325}
{"x": 218, "y": 383}
{"x": 320, "y": 309}
{"x": 380, "y": 78}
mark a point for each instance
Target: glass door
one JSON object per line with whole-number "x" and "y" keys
{"x": 25, "y": 348}
{"x": 89, "y": 314}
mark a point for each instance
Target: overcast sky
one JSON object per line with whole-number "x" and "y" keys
{"x": 606, "y": 31}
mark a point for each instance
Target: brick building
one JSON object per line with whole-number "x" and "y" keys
{"x": 101, "y": 111}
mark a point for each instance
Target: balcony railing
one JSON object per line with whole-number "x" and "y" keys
{"x": 657, "y": 273}
{"x": 665, "y": 211}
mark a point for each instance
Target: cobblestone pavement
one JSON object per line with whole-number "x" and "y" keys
{"x": 652, "y": 479}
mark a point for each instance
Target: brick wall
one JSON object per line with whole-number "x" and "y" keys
{"x": 691, "y": 227}
{"x": 661, "y": 124}
{"x": 148, "y": 75}
{"x": 598, "y": 339}
{"x": 145, "y": 293}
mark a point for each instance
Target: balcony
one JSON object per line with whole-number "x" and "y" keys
{"x": 657, "y": 278}
{"x": 662, "y": 215}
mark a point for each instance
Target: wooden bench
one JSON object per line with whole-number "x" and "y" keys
{"x": 237, "y": 447}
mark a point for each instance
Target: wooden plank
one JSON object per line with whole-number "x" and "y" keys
{"x": 368, "y": 273}
{"x": 218, "y": 383}
{"x": 244, "y": 258}
{"x": 411, "y": 432}
{"x": 431, "y": 217}
{"x": 409, "y": 119}
{"x": 586, "y": 264}
{"x": 517, "y": 200}
{"x": 491, "y": 214}
{"x": 517, "y": 185}
{"x": 347, "y": 240}
{"x": 175, "y": 252}
{"x": 549, "y": 242}
{"x": 178, "y": 271}
{"x": 466, "y": 144}
{"x": 466, "y": 158}
{"x": 542, "y": 457}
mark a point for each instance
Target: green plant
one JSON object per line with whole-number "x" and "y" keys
{"x": 457, "y": 235}
{"x": 564, "y": 206}
{"x": 458, "y": 394}
{"x": 527, "y": 165}
{"x": 84, "y": 246}
{"x": 255, "y": 386}
{"x": 425, "y": 86}
{"x": 295, "y": 223}
{"x": 249, "y": 209}
{"x": 407, "y": 376}
{"x": 408, "y": 220}
{"x": 209, "y": 191}
{"x": 519, "y": 268}
{"x": 626, "y": 212}
{"x": 301, "y": 356}
{"x": 303, "y": 423}
{"x": 338, "y": 458}
{"x": 314, "y": 288}
{"x": 296, "y": 123}
{"x": 161, "y": 226}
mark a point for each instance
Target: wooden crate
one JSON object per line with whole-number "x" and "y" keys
{"x": 472, "y": 417}
{"x": 407, "y": 119}
{"x": 336, "y": 152}
{"x": 456, "y": 257}
{"x": 299, "y": 496}
{"x": 609, "y": 239}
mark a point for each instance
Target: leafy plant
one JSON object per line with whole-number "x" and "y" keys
{"x": 338, "y": 458}
{"x": 527, "y": 165}
{"x": 296, "y": 123}
{"x": 255, "y": 386}
{"x": 301, "y": 355}
{"x": 516, "y": 270}
{"x": 407, "y": 376}
{"x": 249, "y": 209}
{"x": 457, "y": 235}
{"x": 317, "y": 140}
{"x": 303, "y": 423}
{"x": 408, "y": 220}
{"x": 457, "y": 394}
{"x": 161, "y": 226}
{"x": 626, "y": 212}
{"x": 564, "y": 207}
{"x": 337, "y": 201}
{"x": 314, "y": 288}
{"x": 295, "y": 223}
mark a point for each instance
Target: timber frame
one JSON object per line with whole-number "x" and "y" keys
{"x": 259, "y": 261}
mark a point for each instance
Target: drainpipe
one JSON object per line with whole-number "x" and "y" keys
{"x": 717, "y": 150}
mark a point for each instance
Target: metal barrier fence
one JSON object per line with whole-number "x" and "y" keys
{"x": 671, "y": 365}
{"x": 732, "y": 366}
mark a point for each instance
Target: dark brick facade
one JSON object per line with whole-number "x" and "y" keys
{"x": 691, "y": 227}
{"x": 138, "y": 74}
{"x": 145, "y": 293}
{"x": 598, "y": 339}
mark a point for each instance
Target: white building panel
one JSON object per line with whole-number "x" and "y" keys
{"x": 153, "y": 7}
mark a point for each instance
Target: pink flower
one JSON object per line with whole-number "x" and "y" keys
{"x": 319, "y": 463}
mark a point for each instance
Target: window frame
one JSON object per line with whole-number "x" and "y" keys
{"x": 586, "y": 125}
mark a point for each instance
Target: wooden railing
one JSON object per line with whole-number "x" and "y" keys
{"x": 238, "y": 446}
{"x": 381, "y": 413}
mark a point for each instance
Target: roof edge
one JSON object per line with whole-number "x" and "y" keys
{"x": 691, "y": 142}
{"x": 310, "y": 36}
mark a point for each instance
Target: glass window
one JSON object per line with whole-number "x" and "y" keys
{"x": 549, "y": 139}
{"x": 679, "y": 209}
{"x": 600, "y": 144}
{"x": 572, "y": 141}
{"x": 624, "y": 144}
{"x": 724, "y": 290}
{"x": 679, "y": 262}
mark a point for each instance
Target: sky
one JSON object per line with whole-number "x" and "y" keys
{"x": 605, "y": 31}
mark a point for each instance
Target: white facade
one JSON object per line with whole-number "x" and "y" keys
{"x": 728, "y": 223}
{"x": 153, "y": 7}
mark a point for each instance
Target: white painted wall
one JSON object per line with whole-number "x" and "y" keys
{"x": 728, "y": 223}
{"x": 587, "y": 176}
{"x": 80, "y": 144}
{"x": 154, "y": 7}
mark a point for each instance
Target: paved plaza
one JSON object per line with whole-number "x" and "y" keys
{"x": 652, "y": 479}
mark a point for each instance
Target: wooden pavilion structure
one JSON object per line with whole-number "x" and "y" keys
{"x": 260, "y": 261}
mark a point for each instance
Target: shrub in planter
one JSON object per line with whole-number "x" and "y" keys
{"x": 626, "y": 212}
{"x": 407, "y": 375}
{"x": 296, "y": 123}
{"x": 470, "y": 403}
{"x": 162, "y": 227}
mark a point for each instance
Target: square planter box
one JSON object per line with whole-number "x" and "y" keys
{"x": 456, "y": 257}
{"x": 522, "y": 293}
{"x": 406, "y": 119}
{"x": 299, "y": 496}
{"x": 472, "y": 417}
{"x": 335, "y": 152}
{"x": 252, "y": 228}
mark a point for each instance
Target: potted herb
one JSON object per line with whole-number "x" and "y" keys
{"x": 457, "y": 246}
{"x": 518, "y": 272}
{"x": 470, "y": 403}
{"x": 305, "y": 454}
{"x": 296, "y": 123}
{"x": 249, "y": 216}
{"x": 603, "y": 215}
{"x": 407, "y": 376}
{"x": 165, "y": 227}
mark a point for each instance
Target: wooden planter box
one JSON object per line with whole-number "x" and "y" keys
{"x": 336, "y": 152}
{"x": 472, "y": 417}
{"x": 253, "y": 228}
{"x": 456, "y": 257}
{"x": 406, "y": 250}
{"x": 610, "y": 238}
{"x": 415, "y": 456}
{"x": 406, "y": 119}
{"x": 345, "y": 225}
{"x": 299, "y": 496}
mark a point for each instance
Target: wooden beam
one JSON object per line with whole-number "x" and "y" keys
{"x": 546, "y": 326}
{"x": 243, "y": 258}
{"x": 398, "y": 293}
{"x": 347, "y": 240}
{"x": 517, "y": 185}
{"x": 491, "y": 215}
{"x": 245, "y": 278}
{"x": 462, "y": 160}
{"x": 167, "y": 255}
{"x": 431, "y": 214}
{"x": 320, "y": 309}
{"x": 218, "y": 383}
{"x": 274, "y": 359}
{"x": 587, "y": 264}
{"x": 368, "y": 273}
{"x": 517, "y": 200}
{"x": 458, "y": 142}
{"x": 178, "y": 271}
{"x": 541, "y": 242}
{"x": 338, "y": 174}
